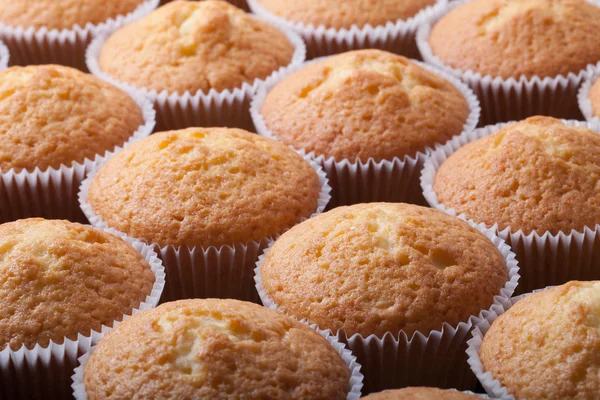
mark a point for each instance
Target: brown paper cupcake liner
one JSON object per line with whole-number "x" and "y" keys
{"x": 205, "y": 272}
{"x": 397, "y": 360}
{"x": 364, "y": 181}
{"x": 356, "y": 377}
{"x": 583, "y": 98}
{"x": 43, "y": 372}
{"x": 67, "y": 46}
{"x": 395, "y": 36}
{"x": 544, "y": 259}
{"x": 52, "y": 193}
{"x": 514, "y": 98}
{"x": 175, "y": 110}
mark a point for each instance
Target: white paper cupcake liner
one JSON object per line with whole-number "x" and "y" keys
{"x": 544, "y": 259}
{"x": 365, "y": 181}
{"x": 397, "y": 360}
{"x": 514, "y": 98}
{"x": 395, "y": 36}
{"x": 356, "y": 377}
{"x": 52, "y": 193}
{"x": 583, "y": 98}
{"x": 207, "y": 272}
{"x": 4, "y": 56}
{"x": 228, "y": 108}
{"x": 43, "y": 372}
{"x": 29, "y": 45}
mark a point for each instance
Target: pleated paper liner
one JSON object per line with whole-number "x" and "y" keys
{"x": 29, "y": 45}
{"x": 513, "y": 98}
{"x": 229, "y": 108}
{"x": 207, "y": 272}
{"x": 4, "y": 56}
{"x": 395, "y": 36}
{"x": 44, "y": 372}
{"x": 353, "y": 182}
{"x": 583, "y": 99}
{"x": 52, "y": 193}
{"x": 544, "y": 259}
{"x": 396, "y": 360}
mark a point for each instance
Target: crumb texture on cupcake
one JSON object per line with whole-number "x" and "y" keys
{"x": 62, "y": 14}
{"x": 344, "y": 14}
{"x": 547, "y": 346}
{"x": 215, "y": 349}
{"x": 594, "y": 97}
{"x": 537, "y": 174}
{"x": 363, "y": 104}
{"x": 383, "y": 267}
{"x": 59, "y": 279}
{"x": 420, "y": 393}
{"x": 521, "y": 37}
{"x": 52, "y": 115}
{"x": 195, "y": 45}
{"x": 204, "y": 187}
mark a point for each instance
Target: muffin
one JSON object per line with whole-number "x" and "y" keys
{"x": 382, "y": 270}
{"x": 205, "y": 188}
{"x": 594, "y": 98}
{"x": 527, "y": 351}
{"x": 364, "y": 105}
{"x": 420, "y": 393}
{"x": 61, "y": 279}
{"x": 209, "y": 349}
{"x": 525, "y": 40}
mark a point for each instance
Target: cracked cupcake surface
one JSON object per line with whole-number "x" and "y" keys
{"x": 383, "y": 267}
{"x": 204, "y": 187}
{"x": 364, "y": 104}
{"x": 215, "y": 349}
{"x": 547, "y": 346}
{"x": 59, "y": 279}
{"x": 195, "y": 45}
{"x": 537, "y": 174}
{"x": 521, "y": 37}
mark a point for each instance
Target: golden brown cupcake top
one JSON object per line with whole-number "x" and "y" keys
{"x": 537, "y": 174}
{"x": 63, "y": 14}
{"x": 195, "y": 45}
{"x": 510, "y": 38}
{"x": 344, "y": 14}
{"x": 59, "y": 279}
{"x": 383, "y": 267}
{"x": 594, "y": 97}
{"x": 215, "y": 349}
{"x": 204, "y": 187}
{"x": 547, "y": 346}
{"x": 420, "y": 393}
{"x": 362, "y": 104}
{"x": 52, "y": 115}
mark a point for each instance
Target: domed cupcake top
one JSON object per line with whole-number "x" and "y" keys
{"x": 420, "y": 393}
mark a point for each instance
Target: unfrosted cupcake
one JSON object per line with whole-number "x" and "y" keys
{"x": 589, "y": 98}
{"x": 545, "y": 346}
{"x": 420, "y": 393}
{"x": 196, "y": 52}
{"x": 368, "y": 117}
{"x": 58, "y": 31}
{"x": 388, "y": 273}
{"x": 54, "y": 121}
{"x": 209, "y": 349}
{"x": 61, "y": 283}
{"x": 522, "y": 58}
{"x": 208, "y": 199}
{"x": 536, "y": 182}
{"x": 331, "y": 26}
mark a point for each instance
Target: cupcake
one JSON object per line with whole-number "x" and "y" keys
{"x": 238, "y": 3}
{"x": 209, "y": 349}
{"x": 368, "y": 117}
{"x": 544, "y": 346}
{"x": 535, "y": 182}
{"x": 54, "y": 121}
{"x": 61, "y": 284}
{"x": 589, "y": 98}
{"x": 399, "y": 283}
{"x": 522, "y": 58}
{"x": 200, "y": 62}
{"x": 208, "y": 200}
{"x": 330, "y": 26}
{"x": 421, "y": 393}
{"x": 58, "y": 31}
